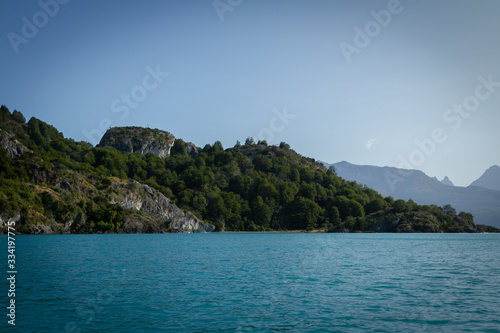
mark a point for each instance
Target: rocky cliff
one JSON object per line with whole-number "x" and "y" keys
{"x": 147, "y": 210}
{"x": 143, "y": 141}
{"x": 139, "y": 140}
{"x": 5, "y": 222}
{"x": 165, "y": 216}
{"x": 13, "y": 147}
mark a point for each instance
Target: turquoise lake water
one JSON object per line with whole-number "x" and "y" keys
{"x": 256, "y": 283}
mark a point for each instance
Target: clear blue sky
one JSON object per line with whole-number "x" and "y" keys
{"x": 289, "y": 70}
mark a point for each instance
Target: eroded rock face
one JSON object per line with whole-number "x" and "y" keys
{"x": 165, "y": 215}
{"x": 155, "y": 214}
{"x": 34, "y": 230}
{"x": 191, "y": 149}
{"x": 139, "y": 140}
{"x": 41, "y": 230}
{"x": 143, "y": 141}
{"x": 13, "y": 147}
{"x": 190, "y": 223}
{"x": 4, "y": 222}
{"x": 139, "y": 224}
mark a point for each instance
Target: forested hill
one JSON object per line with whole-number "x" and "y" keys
{"x": 52, "y": 184}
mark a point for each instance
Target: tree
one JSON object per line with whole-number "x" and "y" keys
{"x": 262, "y": 142}
{"x": 179, "y": 148}
{"x": 466, "y": 218}
{"x": 306, "y": 175}
{"x": 4, "y": 112}
{"x": 207, "y": 148}
{"x": 332, "y": 170}
{"x": 307, "y": 190}
{"x": 411, "y": 205}
{"x": 263, "y": 163}
{"x": 284, "y": 145}
{"x": 265, "y": 189}
{"x": 389, "y": 200}
{"x": 240, "y": 184}
{"x": 249, "y": 141}
{"x": 448, "y": 209}
{"x": 361, "y": 224}
{"x": 357, "y": 209}
{"x": 295, "y": 175}
{"x": 399, "y": 206}
{"x": 216, "y": 207}
{"x": 287, "y": 192}
{"x": 333, "y": 215}
{"x": 217, "y": 147}
{"x": 18, "y": 116}
{"x": 261, "y": 213}
{"x": 375, "y": 205}
{"x": 304, "y": 213}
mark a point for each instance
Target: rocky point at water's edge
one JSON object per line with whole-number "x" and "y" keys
{"x": 155, "y": 213}
{"x": 168, "y": 217}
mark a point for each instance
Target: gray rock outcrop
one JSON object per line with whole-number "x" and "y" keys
{"x": 41, "y": 230}
{"x": 139, "y": 140}
{"x": 13, "y": 147}
{"x": 143, "y": 141}
{"x": 165, "y": 215}
{"x": 5, "y": 222}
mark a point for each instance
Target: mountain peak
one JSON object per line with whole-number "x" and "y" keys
{"x": 490, "y": 179}
{"x": 447, "y": 181}
{"x": 493, "y": 168}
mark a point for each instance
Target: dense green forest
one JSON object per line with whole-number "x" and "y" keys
{"x": 48, "y": 179}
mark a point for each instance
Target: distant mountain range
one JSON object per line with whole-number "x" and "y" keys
{"x": 445, "y": 181}
{"x": 481, "y": 198}
{"x": 490, "y": 179}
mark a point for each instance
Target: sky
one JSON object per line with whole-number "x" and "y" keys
{"x": 413, "y": 84}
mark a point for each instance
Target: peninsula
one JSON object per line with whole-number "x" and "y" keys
{"x": 141, "y": 180}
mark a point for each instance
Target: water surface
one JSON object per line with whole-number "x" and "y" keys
{"x": 265, "y": 282}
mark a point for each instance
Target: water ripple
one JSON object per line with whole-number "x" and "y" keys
{"x": 259, "y": 282}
